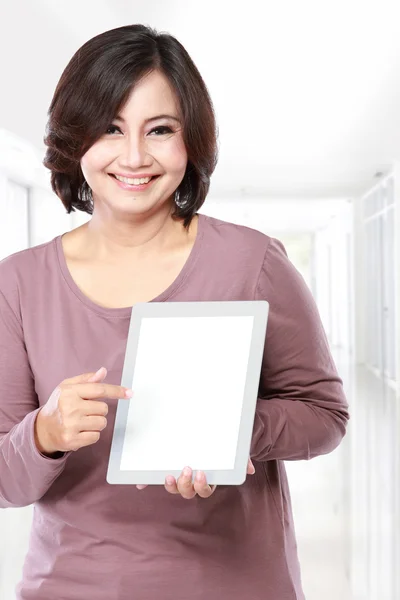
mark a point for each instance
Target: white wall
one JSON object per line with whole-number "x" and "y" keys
{"x": 374, "y": 466}
{"x": 333, "y": 254}
{"x": 14, "y": 229}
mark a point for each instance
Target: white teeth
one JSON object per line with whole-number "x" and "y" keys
{"x": 133, "y": 181}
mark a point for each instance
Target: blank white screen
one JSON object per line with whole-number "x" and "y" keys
{"x": 188, "y": 388}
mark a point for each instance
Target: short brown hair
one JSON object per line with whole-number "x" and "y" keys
{"x": 93, "y": 89}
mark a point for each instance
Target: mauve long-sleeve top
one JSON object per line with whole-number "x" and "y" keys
{"x": 94, "y": 541}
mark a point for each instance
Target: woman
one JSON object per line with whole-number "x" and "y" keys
{"x": 132, "y": 141}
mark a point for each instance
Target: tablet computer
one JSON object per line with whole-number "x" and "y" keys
{"x": 194, "y": 368}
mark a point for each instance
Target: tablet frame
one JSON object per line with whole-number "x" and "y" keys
{"x": 259, "y": 310}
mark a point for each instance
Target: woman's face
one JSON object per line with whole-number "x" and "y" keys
{"x": 137, "y": 144}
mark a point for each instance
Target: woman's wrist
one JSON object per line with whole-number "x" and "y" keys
{"x": 41, "y": 443}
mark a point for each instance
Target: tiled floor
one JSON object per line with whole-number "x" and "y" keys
{"x": 316, "y": 497}
{"x": 317, "y": 491}
{"x": 347, "y": 504}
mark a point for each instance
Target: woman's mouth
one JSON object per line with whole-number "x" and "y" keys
{"x": 132, "y": 187}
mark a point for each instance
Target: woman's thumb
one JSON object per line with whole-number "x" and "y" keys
{"x": 88, "y": 377}
{"x": 98, "y": 376}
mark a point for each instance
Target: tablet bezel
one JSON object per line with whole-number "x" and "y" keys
{"x": 258, "y": 309}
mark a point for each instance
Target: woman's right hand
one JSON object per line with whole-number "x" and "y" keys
{"x": 71, "y": 419}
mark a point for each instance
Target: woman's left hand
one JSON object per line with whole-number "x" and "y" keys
{"x": 188, "y": 489}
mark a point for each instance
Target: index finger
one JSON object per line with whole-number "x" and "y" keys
{"x": 101, "y": 390}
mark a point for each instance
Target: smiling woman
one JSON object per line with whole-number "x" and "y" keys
{"x": 159, "y": 152}
{"x": 132, "y": 141}
{"x": 147, "y": 83}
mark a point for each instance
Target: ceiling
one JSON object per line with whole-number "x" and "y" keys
{"x": 307, "y": 94}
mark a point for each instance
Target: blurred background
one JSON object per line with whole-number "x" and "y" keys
{"x": 307, "y": 98}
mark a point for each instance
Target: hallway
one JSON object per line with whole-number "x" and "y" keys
{"x": 319, "y": 517}
{"x": 345, "y": 509}
{"x": 306, "y": 103}
{"x": 318, "y": 489}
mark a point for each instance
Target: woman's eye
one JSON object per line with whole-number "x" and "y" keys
{"x": 162, "y": 129}
{"x": 112, "y": 127}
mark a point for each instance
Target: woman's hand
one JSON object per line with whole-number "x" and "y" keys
{"x": 73, "y": 416}
{"x": 189, "y": 489}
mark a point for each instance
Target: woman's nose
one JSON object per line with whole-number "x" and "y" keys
{"x": 135, "y": 152}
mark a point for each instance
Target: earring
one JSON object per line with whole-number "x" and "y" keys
{"x": 178, "y": 202}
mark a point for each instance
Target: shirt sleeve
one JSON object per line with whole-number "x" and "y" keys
{"x": 302, "y": 411}
{"x": 25, "y": 473}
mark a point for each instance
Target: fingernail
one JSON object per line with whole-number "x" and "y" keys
{"x": 128, "y": 393}
{"x": 170, "y": 480}
{"x": 199, "y": 475}
{"x": 98, "y": 372}
{"x": 187, "y": 471}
